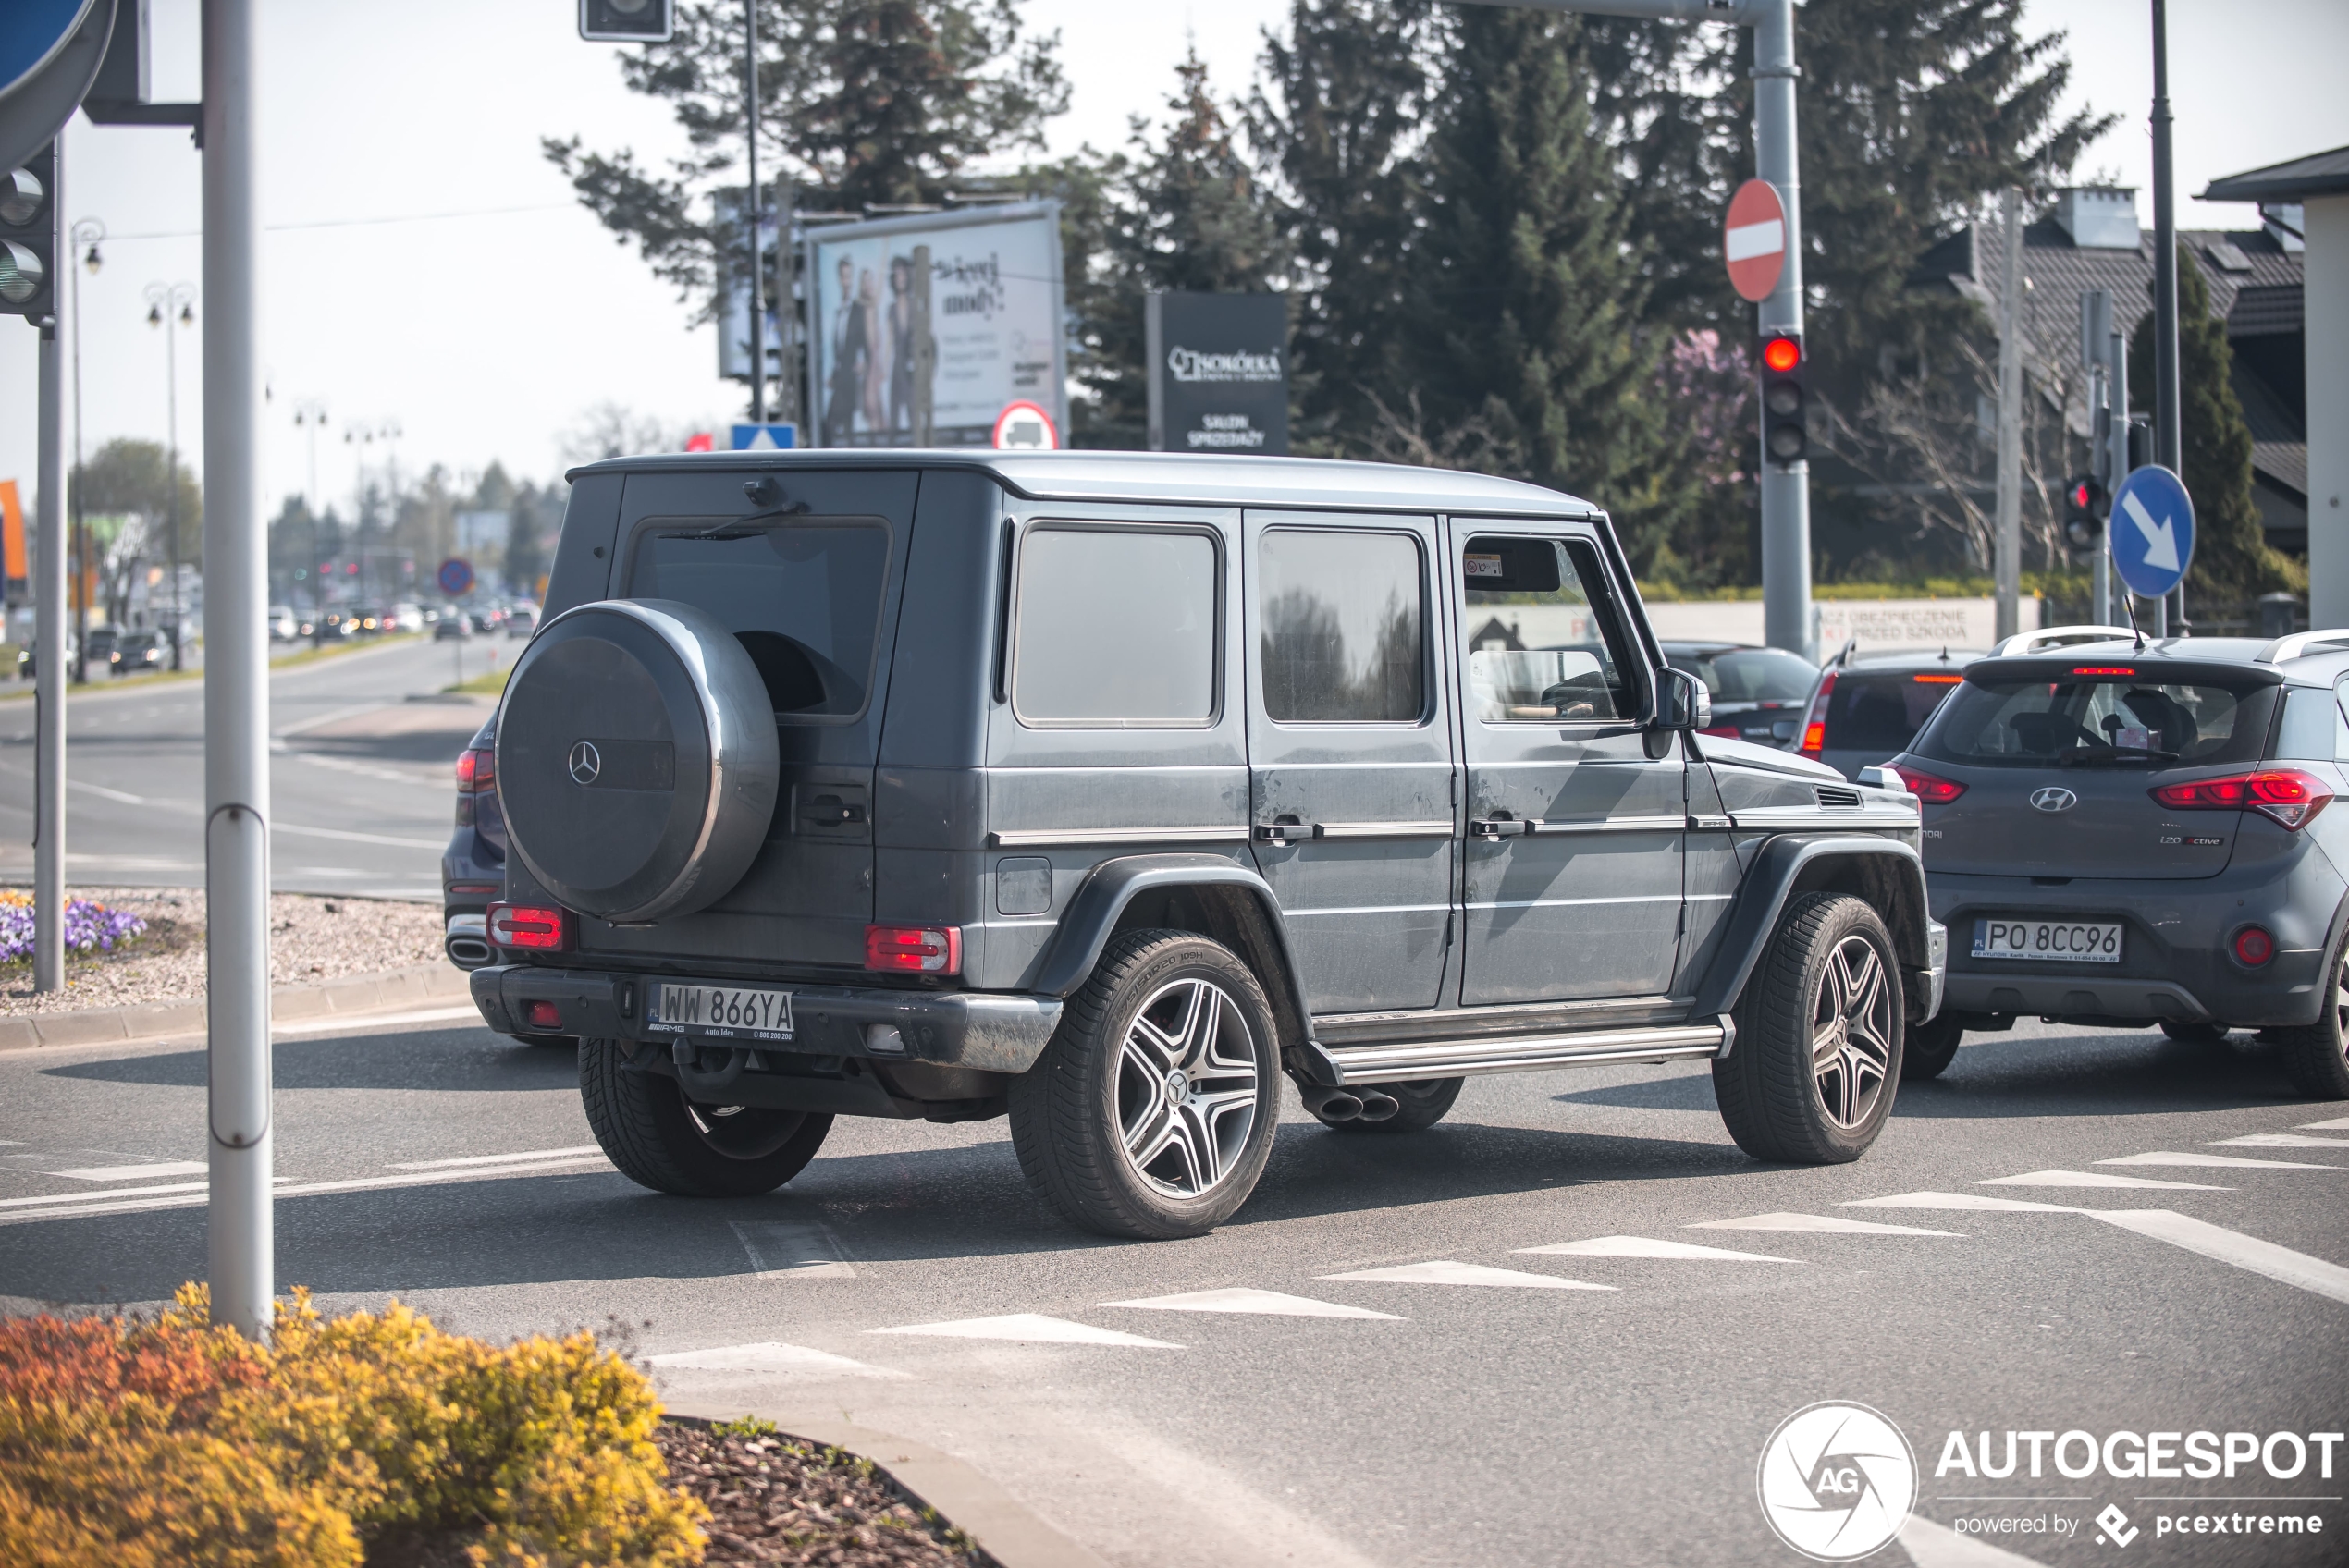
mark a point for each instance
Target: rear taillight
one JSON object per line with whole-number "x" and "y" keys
{"x": 1929, "y": 787}
{"x": 1815, "y": 726}
{"x": 476, "y": 774}
{"x": 2254, "y": 946}
{"x": 914, "y": 949}
{"x": 1726, "y": 731}
{"x": 529, "y": 926}
{"x": 543, "y": 1016}
{"x": 2284, "y": 794}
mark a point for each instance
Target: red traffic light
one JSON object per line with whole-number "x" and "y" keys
{"x": 1781, "y": 354}
{"x": 2084, "y": 494}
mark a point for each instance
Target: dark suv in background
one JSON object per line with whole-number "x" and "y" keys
{"x": 1758, "y": 694}
{"x": 1864, "y": 712}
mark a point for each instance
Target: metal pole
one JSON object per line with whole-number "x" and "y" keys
{"x": 757, "y": 284}
{"x": 49, "y": 649}
{"x": 2116, "y": 359}
{"x": 1786, "y": 488}
{"x": 171, "y": 468}
{"x": 2166, "y": 414}
{"x": 236, "y": 684}
{"x": 2007, "y": 544}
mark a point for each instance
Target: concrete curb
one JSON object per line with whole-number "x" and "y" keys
{"x": 1007, "y": 1530}
{"x": 418, "y": 984}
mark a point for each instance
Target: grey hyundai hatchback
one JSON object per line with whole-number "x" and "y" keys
{"x": 2137, "y": 834}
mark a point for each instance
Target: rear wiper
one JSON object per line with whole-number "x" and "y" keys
{"x": 2095, "y": 757}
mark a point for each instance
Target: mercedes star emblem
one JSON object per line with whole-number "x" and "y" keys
{"x": 2055, "y": 797}
{"x": 586, "y": 762}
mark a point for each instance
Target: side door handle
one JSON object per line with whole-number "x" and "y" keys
{"x": 1498, "y": 827}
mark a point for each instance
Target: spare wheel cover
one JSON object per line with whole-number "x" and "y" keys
{"x": 636, "y": 759}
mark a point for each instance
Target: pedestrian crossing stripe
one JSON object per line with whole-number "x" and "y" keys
{"x": 2093, "y": 1179}
{"x": 1643, "y": 1246}
{"x": 2168, "y": 1157}
{"x": 1823, "y": 1223}
{"x": 1270, "y": 1303}
{"x": 1443, "y": 1271}
{"x": 1033, "y": 1328}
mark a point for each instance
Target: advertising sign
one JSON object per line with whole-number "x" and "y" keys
{"x": 1218, "y": 372}
{"x": 996, "y": 315}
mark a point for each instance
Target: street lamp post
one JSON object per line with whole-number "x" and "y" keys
{"x": 87, "y": 233}
{"x": 172, "y": 307}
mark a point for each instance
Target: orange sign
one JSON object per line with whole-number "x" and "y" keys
{"x": 11, "y": 531}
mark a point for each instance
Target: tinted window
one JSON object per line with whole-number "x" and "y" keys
{"x": 1883, "y": 712}
{"x": 2310, "y": 718}
{"x": 1340, "y": 619}
{"x": 2096, "y": 722}
{"x": 1543, "y": 643}
{"x": 1751, "y": 675}
{"x": 804, "y": 597}
{"x": 1115, "y": 629}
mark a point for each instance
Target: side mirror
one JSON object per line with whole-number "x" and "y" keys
{"x": 1682, "y": 702}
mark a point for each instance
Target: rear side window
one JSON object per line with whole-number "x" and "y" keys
{"x": 1340, "y": 619}
{"x": 1544, "y": 642}
{"x": 1883, "y": 712}
{"x": 1115, "y": 629}
{"x": 804, "y": 599}
{"x": 2101, "y": 721}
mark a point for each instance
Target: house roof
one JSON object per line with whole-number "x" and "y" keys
{"x": 2318, "y": 174}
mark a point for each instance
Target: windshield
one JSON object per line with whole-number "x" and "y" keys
{"x": 1882, "y": 713}
{"x": 2096, "y": 720}
{"x": 1749, "y": 675}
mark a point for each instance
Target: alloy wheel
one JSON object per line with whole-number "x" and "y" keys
{"x": 1186, "y": 1089}
{"x": 1851, "y": 1033}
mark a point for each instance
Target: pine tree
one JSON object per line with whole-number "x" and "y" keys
{"x": 2233, "y": 563}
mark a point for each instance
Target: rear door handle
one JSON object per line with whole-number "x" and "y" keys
{"x": 1498, "y": 827}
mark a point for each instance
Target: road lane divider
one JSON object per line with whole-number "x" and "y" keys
{"x": 529, "y": 1157}
{"x": 1029, "y": 1328}
{"x": 194, "y": 1194}
{"x": 1827, "y": 1224}
{"x": 2250, "y": 1253}
{"x": 1643, "y": 1246}
{"x": 768, "y": 1359}
{"x": 2226, "y": 1161}
{"x": 2092, "y": 1179}
{"x": 1443, "y": 1271}
{"x": 1269, "y": 1304}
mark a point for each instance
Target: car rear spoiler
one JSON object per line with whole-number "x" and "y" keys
{"x": 2052, "y": 637}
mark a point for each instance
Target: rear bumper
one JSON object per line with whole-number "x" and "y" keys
{"x": 991, "y": 1032}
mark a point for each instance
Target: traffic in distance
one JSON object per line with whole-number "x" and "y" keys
{"x": 1118, "y": 792}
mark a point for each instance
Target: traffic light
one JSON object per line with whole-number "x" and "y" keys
{"x": 1785, "y": 435}
{"x": 626, "y": 21}
{"x": 2084, "y": 513}
{"x": 29, "y": 236}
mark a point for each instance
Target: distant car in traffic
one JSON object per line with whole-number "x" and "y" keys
{"x": 1758, "y": 694}
{"x": 520, "y": 622}
{"x": 1864, "y": 712}
{"x": 451, "y": 629}
{"x": 404, "y": 618}
{"x": 102, "y": 644}
{"x": 284, "y": 626}
{"x": 139, "y": 652}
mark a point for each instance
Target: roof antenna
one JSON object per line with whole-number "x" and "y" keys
{"x": 2129, "y": 602}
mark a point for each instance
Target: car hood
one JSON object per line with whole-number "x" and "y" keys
{"x": 1745, "y": 754}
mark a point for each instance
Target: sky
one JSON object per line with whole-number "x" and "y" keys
{"x": 426, "y": 270}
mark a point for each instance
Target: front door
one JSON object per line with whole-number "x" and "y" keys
{"x": 1575, "y": 833}
{"x": 1350, "y": 762}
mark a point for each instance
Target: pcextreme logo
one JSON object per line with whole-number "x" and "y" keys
{"x": 1837, "y": 1481}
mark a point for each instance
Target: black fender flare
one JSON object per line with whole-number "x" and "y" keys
{"x": 1763, "y": 898}
{"x": 1093, "y": 914}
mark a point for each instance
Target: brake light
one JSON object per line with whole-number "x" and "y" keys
{"x": 2283, "y": 794}
{"x": 1815, "y": 724}
{"x": 2106, "y": 669}
{"x": 1930, "y": 788}
{"x": 526, "y": 926}
{"x": 1936, "y": 680}
{"x": 914, "y": 949}
{"x": 543, "y": 1016}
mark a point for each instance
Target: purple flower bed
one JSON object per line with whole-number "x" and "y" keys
{"x": 90, "y": 929}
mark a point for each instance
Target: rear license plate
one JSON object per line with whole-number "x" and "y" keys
{"x": 723, "y": 1012}
{"x": 2059, "y": 941}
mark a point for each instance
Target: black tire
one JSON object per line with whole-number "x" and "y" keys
{"x": 658, "y": 1139}
{"x": 1781, "y": 1101}
{"x": 2211, "y": 1034}
{"x": 1930, "y": 1049}
{"x": 2316, "y": 1055}
{"x": 1113, "y": 1078}
{"x": 1425, "y": 1103}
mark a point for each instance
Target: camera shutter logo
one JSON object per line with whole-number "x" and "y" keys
{"x": 585, "y": 763}
{"x": 2054, "y": 797}
{"x": 1837, "y": 1481}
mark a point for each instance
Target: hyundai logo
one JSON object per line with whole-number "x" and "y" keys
{"x": 586, "y": 762}
{"x": 2055, "y": 797}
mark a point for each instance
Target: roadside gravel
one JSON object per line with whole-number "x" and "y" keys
{"x": 775, "y": 1500}
{"x": 311, "y": 939}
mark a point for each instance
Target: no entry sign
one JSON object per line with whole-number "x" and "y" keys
{"x": 1753, "y": 239}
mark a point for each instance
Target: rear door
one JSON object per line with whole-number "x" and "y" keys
{"x": 1576, "y": 834}
{"x": 809, "y": 582}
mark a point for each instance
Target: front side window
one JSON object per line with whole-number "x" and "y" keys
{"x": 1340, "y": 619}
{"x": 1543, "y": 643}
{"x": 2097, "y": 720}
{"x": 1115, "y": 629}
{"x": 804, "y": 598}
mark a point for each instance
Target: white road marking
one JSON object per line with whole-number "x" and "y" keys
{"x": 2280, "y": 1140}
{"x": 2166, "y": 1157}
{"x": 1937, "y": 1546}
{"x": 529, "y": 1157}
{"x": 770, "y": 1357}
{"x": 785, "y": 1250}
{"x": 2091, "y": 1179}
{"x": 50, "y": 1200}
{"x": 1031, "y": 1327}
{"x": 377, "y": 1020}
{"x": 350, "y": 838}
{"x": 130, "y": 1200}
{"x": 1270, "y": 1303}
{"x": 1641, "y": 1246}
{"x": 1444, "y": 1272}
{"x": 101, "y": 790}
{"x": 2338, "y": 1124}
{"x": 2231, "y": 1246}
{"x": 1960, "y": 1201}
{"x": 133, "y": 1172}
{"x": 1835, "y": 1223}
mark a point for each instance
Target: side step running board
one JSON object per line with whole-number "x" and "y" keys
{"x": 1460, "y": 1059}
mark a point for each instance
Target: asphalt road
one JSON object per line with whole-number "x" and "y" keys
{"x": 361, "y": 774}
{"x": 1449, "y": 1416}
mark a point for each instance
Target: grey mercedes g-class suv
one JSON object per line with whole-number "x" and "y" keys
{"x": 1107, "y": 789}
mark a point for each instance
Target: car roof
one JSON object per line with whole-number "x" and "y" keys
{"x": 2311, "y": 657}
{"x": 1162, "y": 476}
{"x": 1909, "y": 660}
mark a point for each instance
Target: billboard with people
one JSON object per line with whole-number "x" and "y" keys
{"x": 995, "y": 318}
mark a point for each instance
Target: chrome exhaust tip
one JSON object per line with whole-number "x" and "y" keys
{"x": 1335, "y": 1105}
{"x": 1377, "y": 1106}
{"x": 468, "y": 952}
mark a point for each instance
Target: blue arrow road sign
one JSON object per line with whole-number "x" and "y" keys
{"x": 2152, "y": 531}
{"x": 765, "y": 438}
